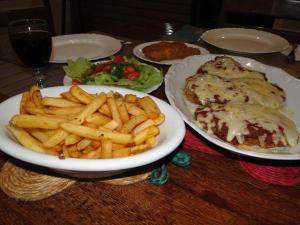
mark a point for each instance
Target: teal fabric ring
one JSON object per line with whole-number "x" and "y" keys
{"x": 159, "y": 176}
{"x": 182, "y": 159}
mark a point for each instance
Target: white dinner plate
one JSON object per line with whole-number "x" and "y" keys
{"x": 138, "y": 52}
{"x": 245, "y": 40}
{"x": 91, "y": 46}
{"x": 175, "y": 80}
{"x": 68, "y": 80}
{"x": 172, "y": 132}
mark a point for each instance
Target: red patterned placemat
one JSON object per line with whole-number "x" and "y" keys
{"x": 279, "y": 175}
{"x": 287, "y": 176}
{"x": 193, "y": 142}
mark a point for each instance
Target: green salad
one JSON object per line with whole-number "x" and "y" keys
{"x": 120, "y": 71}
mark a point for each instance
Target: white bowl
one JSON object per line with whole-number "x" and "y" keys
{"x": 172, "y": 132}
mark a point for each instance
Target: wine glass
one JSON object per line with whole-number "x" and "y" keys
{"x": 31, "y": 40}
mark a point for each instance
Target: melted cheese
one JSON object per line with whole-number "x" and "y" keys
{"x": 237, "y": 116}
{"x": 227, "y": 67}
{"x": 209, "y": 87}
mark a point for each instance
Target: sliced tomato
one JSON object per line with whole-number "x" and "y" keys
{"x": 119, "y": 59}
{"x": 76, "y": 81}
{"x": 107, "y": 68}
{"x": 130, "y": 69}
{"x": 99, "y": 68}
{"x": 133, "y": 75}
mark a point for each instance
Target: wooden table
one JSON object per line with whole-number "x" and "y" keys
{"x": 213, "y": 190}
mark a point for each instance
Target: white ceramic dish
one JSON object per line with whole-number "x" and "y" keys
{"x": 175, "y": 81}
{"x": 138, "y": 52}
{"x": 91, "y": 46}
{"x": 171, "y": 135}
{"x": 245, "y": 40}
{"x": 68, "y": 81}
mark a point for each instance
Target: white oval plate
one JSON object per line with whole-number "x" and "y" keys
{"x": 91, "y": 46}
{"x": 172, "y": 132}
{"x": 245, "y": 40}
{"x": 138, "y": 52}
{"x": 175, "y": 81}
{"x": 68, "y": 80}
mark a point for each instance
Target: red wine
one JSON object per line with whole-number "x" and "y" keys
{"x": 32, "y": 47}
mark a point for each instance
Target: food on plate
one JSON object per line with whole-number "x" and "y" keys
{"x": 205, "y": 89}
{"x": 165, "y": 50}
{"x": 240, "y": 106}
{"x": 248, "y": 124}
{"x": 227, "y": 67}
{"x": 120, "y": 71}
{"x": 98, "y": 125}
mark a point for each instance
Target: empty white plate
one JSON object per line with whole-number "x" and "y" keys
{"x": 91, "y": 46}
{"x": 245, "y": 40}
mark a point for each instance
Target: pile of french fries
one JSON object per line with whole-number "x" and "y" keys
{"x": 78, "y": 124}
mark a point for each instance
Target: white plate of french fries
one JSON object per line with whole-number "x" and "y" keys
{"x": 88, "y": 131}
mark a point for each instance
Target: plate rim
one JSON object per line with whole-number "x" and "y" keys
{"x": 61, "y": 38}
{"x": 204, "y": 37}
{"x": 137, "y": 49}
{"x": 215, "y": 140}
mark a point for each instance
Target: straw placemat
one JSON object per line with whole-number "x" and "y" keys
{"x": 27, "y": 185}
{"x": 127, "y": 180}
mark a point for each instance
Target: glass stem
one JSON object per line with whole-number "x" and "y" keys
{"x": 39, "y": 76}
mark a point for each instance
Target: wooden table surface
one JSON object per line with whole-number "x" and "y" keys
{"x": 213, "y": 190}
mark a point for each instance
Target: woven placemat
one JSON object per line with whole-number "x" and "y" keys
{"x": 23, "y": 184}
{"x": 127, "y": 180}
{"x": 27, "y": 185}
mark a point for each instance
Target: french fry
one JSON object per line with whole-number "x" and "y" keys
{"x": 26, "y": 139}
{"x": 39, "y": 134}
{"x": 72, "y": 139}
{"x": 95, "y": 144}
{"x": 145, "y": 134}
{"x": 142, "y": 126}
{"x": 104, "y": 109}
{"x": 36, "y": 96}
{"x": 25, "y": 98}
{"x": 33, "y": 110}
{"x": 36, "y": 121}
{"x": 106, "y": 149}
{"x": 139, "y": 148}
{"x": 71, "y": 151}
{"x": 67, "y": 95}
{"x": 152, "y": 142}
{"x": 122, "y": 152}
{"x": 98, "y": 119}
{"x": 96, "y": 134}
{"x": 59, "y": 102}
{"x": 59, "y": 136}
{"x": 96, "y": 154}
{"x": 90, "y": 108}
{"x": 114, "y": 111}
{"x": 124, "y": 116}
{"x": 134, "y": 110}
{"x": 81, "y": 95}
{"x": 159, "y": 120}
{"x": 132, "y": 123}
{"x": 83, "y": 144}
{"x": 130, "y": 98}
{"x": 150, "y": 107}
{"x": 63, "y": 111}
{"x": 111, "y": 125}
